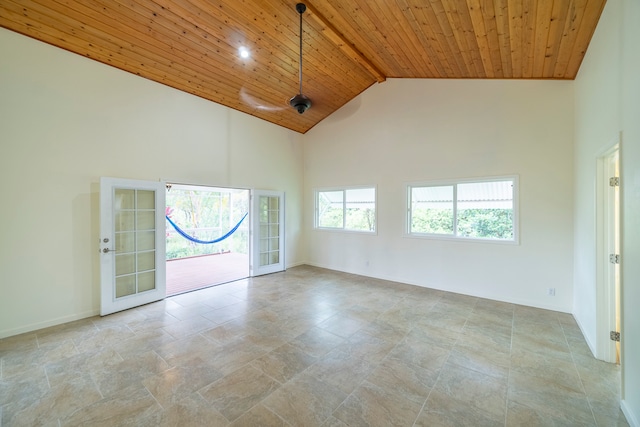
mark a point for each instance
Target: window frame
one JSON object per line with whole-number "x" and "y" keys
{"x": 455, "y": 182}
{"x": 344, "y": 189}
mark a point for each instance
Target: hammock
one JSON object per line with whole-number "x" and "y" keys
{"x": 205, "y": 242}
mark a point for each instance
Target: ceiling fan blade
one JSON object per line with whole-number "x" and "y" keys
{"x": 254, "y": 102}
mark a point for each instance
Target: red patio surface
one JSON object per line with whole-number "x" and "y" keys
{"x": 188, "y": 274}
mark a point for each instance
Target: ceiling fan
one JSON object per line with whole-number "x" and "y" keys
{"x": 300, "y": 102}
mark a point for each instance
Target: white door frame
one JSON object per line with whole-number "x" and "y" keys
{"x": 607, "y": 242}
{"x": 109, "y": 303}
{"x": 258, "y": 268}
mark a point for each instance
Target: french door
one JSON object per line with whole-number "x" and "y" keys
{"x": 267, "y": 225}
{"x": 132, "y": 243}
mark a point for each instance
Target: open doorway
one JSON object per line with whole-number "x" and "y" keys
{"x": 207, "y": 236}
{"x": 609, "y": 257}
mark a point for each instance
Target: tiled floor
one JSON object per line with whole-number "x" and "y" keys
{"x": 310, "y": 347}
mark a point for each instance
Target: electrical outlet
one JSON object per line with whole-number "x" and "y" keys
{"x": 551, "y": 292}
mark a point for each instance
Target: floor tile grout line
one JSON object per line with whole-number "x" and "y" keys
{"x": 513, "y": 326}
{"x": 573, "y": 361}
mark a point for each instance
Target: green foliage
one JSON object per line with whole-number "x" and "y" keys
{"x": 356, "y": 219}
{"x": 479, "y": 223}
{"x": 486, "y": 223}
{"x": 434, "y": 221}
{"x": 206, "y": 215}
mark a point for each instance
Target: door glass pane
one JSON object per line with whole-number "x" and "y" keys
{"x": 146, "y": 261}
{"x": 269, "y": 230}
{"x": 125, "y": 221}
{"x": 146, "y": 199}
{"x": 125, "y": 285}
{"x": 146, "y": 281}
{"x": 125, "y": 264}
{"x": 274, "y": 257}
{"x": 125, "y": 242}
{"x": 124, "y": 199}
{"x": 274, "y": 203}
{"x": 146, "y": 240}
{"x": 264, "y": 259}
{"x": 135, "y": 225}
{"x": 274, "y": 244}
{"x": 146, "y": 220}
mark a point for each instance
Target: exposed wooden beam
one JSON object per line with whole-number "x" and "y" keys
{"x": 343, "y": 44}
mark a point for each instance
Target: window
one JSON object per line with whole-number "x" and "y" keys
{"x": 470, "y": 209}
{"x": 352, "y": 209}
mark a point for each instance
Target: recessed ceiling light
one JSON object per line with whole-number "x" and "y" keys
{"x": 244, "y": 52}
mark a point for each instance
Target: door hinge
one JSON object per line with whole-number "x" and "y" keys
{"x": 615, "y": 336}
{"x": 614, "y": 181}
{"x": 614, "y": 259}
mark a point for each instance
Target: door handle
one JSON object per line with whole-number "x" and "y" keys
{"x": 107, "y": 250}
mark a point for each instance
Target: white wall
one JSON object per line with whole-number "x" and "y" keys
{"x": 65, "y": 121}
{"x": 630, "y": 177}
{"x": 597, "y": 127}
{"x": 412, "y": 130}
{"x": 607, "y": 99}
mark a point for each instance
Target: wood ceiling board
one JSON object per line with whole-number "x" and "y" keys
{"x": 348, "y": 45}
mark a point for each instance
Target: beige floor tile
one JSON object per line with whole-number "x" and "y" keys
{"x": 421, "y": 353}
{"x": 239, "y": 391}
{"x": 317, "y": 342}
{"x": 552, "y": 399}
{"x": 19, "y": 363}
{"x": 59, "y": 372}
{"x": 370, "y": 405}
{"x": 549, "y": 369}
{"x": 310, "y": 347}
{"x": 405, "y": 380}
{"x": 58, "y": 402}
{"x": 171, "y": 386}
{"x": 341, "y": 370}
{"x": 189, "y": 411}
{"x": 442, "y": 410}
{"x": 476, "y": 390}
{"x": 521, "y": 415}
{"x": 342, "y": 325}
{"x": 129, "y": 407}
{"x": 284, "y": 363}
{"x": 479, "y": 359}
{"x": 128, "y": 373}
{"x": 305, "y": 401}
{"x": 259, "y": 415}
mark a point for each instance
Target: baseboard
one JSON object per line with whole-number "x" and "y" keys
{"x": 632, "y": 419}
{"x": 500, "y": 298}
{"x": 592, "y": 347}
{"x": 46, "y": 324}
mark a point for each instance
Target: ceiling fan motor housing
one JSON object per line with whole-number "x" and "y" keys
{"x": 300, "y": 102}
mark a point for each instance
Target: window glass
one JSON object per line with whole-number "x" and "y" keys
{"x": 482, "y": 209}
{"x": 432, "y": 210}
{"x": 351, "y": 209}
{"x": 360, "y": 209}
{"x": 331, "y": 209}
{"x": 485, "y": 210}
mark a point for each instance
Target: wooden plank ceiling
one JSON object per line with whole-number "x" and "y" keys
{"x": 348, "y": 45}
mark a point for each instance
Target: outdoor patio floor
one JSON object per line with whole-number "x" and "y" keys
{"x": 188, "y": 274}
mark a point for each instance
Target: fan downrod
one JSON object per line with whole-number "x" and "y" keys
{"x": 300, "y": 102}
